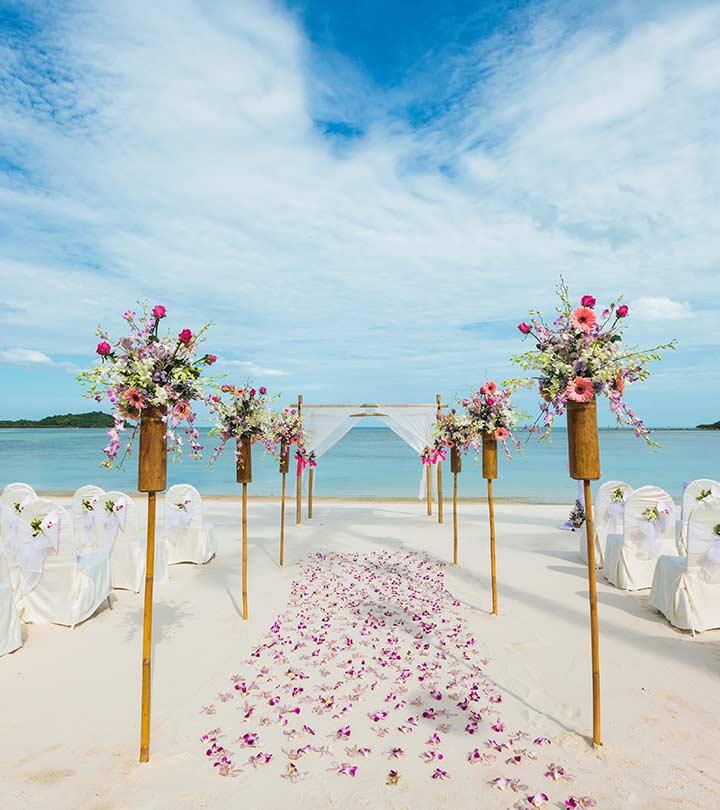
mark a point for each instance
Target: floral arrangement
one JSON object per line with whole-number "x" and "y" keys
{"x": 716, "y": 529}
{"x": 286, "y": 429}
{"x": 580, "y": 356}
{"x": 452, "y": 431}
{"x": 244, "y": 415}
{"x": 109, "y": 506}
{"x": 144, "y": 370}
{"x": 182, "y": 506}
{"x": 618, "y": 496}
{"x": 36, "y": 526}
{"x": 491, "y": 411}
{"x": 88, "y": 504}
{"x": 305, "y": 458}
{"x": 704, "y": 493}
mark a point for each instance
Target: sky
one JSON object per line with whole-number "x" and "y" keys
{"x": 363, "y": 198}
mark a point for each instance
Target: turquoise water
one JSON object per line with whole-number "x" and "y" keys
{"x": 366, "y": 463}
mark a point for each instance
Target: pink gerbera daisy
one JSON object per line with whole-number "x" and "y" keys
{"x": 490, "y": 387}
{"x": 183, "y": 410}
{"x": 134, "y": 397}
{"x": 580, "y": 390}
{"x": 501, "y": 434}
{"x": 583, "y": 318}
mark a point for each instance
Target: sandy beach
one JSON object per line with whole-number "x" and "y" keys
{"x": 71, "y": 712}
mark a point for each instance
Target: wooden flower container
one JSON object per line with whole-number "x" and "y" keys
{"x": 244, "y": 461}
{"x": 583, "y": 442}
{"x": 152, "y": 460}
{"x": 284, "y": 458}
{"x": 455, "y": 460}
{"x": 489, "y": 457}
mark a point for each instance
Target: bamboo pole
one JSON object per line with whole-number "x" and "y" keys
{"x": 493, "y": 567}
{"x": 147, "y": 631}
{"x": 311, "y": 478}
{"x": 428, "y": 487}
{"x": 282, "y": 520}
{"x": 298, "y": 484}
{"x": 438, "y": 400}
{"x": 455, "y": 519}
{"x": 592, "y": 589}
{"x": 244, "y": 553}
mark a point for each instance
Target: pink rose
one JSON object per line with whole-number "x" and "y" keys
{"x": 587, "y": 301}
{"x": 263, "y": 390}
{"x": 623, "y": 311}
{"x": 103, "y": 348}
{"x": 524, "y": 328}
{"x": 490, "y": 401}
{"x": 185, "y": 336}
{"x": 252, "y": 392}
{"x": 159, "y": 311}
{"x": 210, "y": 359}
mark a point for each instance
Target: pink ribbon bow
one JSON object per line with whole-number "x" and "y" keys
{"x": 302, "y": 462}
{"x": 439, "y": 455}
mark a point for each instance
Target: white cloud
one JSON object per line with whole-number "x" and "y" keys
{"x": 24, "y": 357}
{"x": 660, "y": 308}
{"x": 253, "y": 369}
{"x": 177, "y": 160}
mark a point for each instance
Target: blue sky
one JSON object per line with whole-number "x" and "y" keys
{"x": 365, "y": 198}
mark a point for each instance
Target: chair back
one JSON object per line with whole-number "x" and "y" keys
{"x": 695, "y": 492}
{"x": 87, "y": 511}
{"x": 14, "y": 495}
{"x": 704, "y": 539}
{"x": 183, "y": 508}
{"x": 119, "y": 519}
{"x": 649, "y": 522}
{"x": 610, "y": 507}
{"x": 48, "y": 559}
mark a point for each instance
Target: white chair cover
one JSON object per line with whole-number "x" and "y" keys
{"x": 415, "y": 426}
{"x": 127, "y": 561}
{"x": 10, "y": 632}
{"x": 630, "y": 557}
{"x": 692, "y": 495}
{"x": 68, "y": 591}
{"x": 608, "y": 518}
{"x": 87, "y": 510}
{"x": 12, "y": 500}
{"x": 687, "y": 589}
{"x": 187, "y": 538}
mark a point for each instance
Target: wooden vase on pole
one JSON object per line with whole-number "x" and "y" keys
{"x": 284, "y": 469}
{"x": 298, "y": 485}
{"x": 244, "y": 477}
{"x": 584, "y": 458}
{"x": 152, "y": 478}
{"x": 490, "y": 473}
{"x": 455, "y": 469}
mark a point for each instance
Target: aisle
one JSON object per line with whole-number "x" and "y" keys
{"x": 371, "y": 676}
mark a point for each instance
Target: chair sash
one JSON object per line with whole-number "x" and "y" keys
{"x": 31, "y": 552}
{"x": 648, "y": 535}
{"x": 704, "y": 552}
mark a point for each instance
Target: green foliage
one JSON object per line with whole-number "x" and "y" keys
{"x": 92, "y": 419}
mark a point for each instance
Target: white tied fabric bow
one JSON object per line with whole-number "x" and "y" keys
{"x": 616, "y": 513}
{"x": 652, "y": 532}
{"x": 32, "y": 551}
{"x": 704, "y": 552}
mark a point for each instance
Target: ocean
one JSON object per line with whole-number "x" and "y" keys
{"x": 366, "y": 463}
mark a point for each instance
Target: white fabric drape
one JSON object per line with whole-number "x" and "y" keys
{"x": 687, "y": 589}
{"x": 414, "y": 426}
{"x": 10, "y": 634}
{"x": 691, "y": 493}
{"x": 187, "y": 537}
{"x": 608, "y": 518}
{"x": 324, "y": 427}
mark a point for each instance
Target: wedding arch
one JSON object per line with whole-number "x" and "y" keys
{"x": 325, "y": 424}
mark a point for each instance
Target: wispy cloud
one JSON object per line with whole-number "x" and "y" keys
{"x": 661, "y": 308}
{"x": 24, "y": 357}
{"x": 253, "y": 369}
{"x": 584, "y": 145}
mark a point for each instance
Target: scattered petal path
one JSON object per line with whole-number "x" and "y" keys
{"x": 372, "y": 660}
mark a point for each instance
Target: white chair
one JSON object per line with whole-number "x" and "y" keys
{"x": 687, "y": 589}
{"x": 128, "y": 554}
{"x": 608, "y": 517}
{"x": 87, "y": 511}
{"x": 70, "y": 588}
{"x": 10, "y": 633}
{"x": 187, "y": 538}
{"x": 630, "y": 557}
{"x": 693, "y": 493}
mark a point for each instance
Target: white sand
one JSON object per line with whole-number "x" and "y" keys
{"x": 70, "y": 707}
